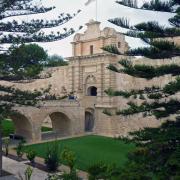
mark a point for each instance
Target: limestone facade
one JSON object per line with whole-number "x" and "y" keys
{"x": 87, "y": 77}
{"x": 92, "y": 41}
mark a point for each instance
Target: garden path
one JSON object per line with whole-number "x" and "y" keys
{"x": 17, "y": 168}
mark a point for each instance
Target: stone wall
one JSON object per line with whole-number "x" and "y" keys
{"x": 121, "y": 125}
{"x": 126, "y": 82}
{"x": 58, "y": 81}
{"x": 87, "y": 70}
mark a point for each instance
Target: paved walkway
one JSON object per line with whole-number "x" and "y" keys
{"x": 17, "y": 168}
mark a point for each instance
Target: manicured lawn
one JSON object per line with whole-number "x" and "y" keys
{"x": 45, "y": 129}
{"x": 90, "y": 150}
{"x": 8, "y": 128}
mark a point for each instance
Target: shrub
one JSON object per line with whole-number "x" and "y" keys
{"x": 31, "y": 154}
{"x": 103, "y": 171}
{"x": 97, "y": 171}
{"x": 19, "y": 149}
{"x": 107, "y": 112}
{"x": 69, "y": 158}
{"x": 71, "y": 176}
{"x": 28, "y": 173}
{"x": 6, "y": 145}
{"x": 52, "y": 159}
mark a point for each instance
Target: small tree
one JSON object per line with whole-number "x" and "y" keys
{"x": 28, "y": 174}
{"x": 6, "y": 145}
{"x": 19, "y": 149}
{"x": 52, "y": 159}
{"x": 69, "y": 158}
{"x": 23, "y": 62}
{"x": 31, "y": 154}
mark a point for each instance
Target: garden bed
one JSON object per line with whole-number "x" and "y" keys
{"x": 38, "y": 165}
{"x": 15, "y": 157}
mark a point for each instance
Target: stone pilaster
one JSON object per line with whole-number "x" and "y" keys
{"x": 81, "y": 79}
{"x": 99, "y": 79}
{"x": 71, "y": 79}
{"x": 77, "y": 76}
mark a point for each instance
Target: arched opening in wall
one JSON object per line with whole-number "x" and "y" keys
{"x": 46, "y": 127}
{"x": 22, "y": 127}
{"x": 60, "y": 126}
{"x": 92, "y": 91}
{"x": 8, "y": 127}
{"x": 89, "y": 120}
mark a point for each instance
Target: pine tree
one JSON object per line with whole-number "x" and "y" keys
{"x": 21, "y": 32}
{"x": 22, "y": 61}
{"x": 158, "y": 149}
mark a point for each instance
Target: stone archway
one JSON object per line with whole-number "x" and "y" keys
{"x": 61, "y": 125}
{"x": 89, "y": 120}
{"x": 90, "y": 86}
{"x": 92, "y": 91}
{"x": 23, "y": 126}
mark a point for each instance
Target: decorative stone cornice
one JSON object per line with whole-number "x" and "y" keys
{"x": 93, "y": 39}
{"x": 91, "y": 56}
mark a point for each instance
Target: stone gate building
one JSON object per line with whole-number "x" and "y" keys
{"x": 87, "y": 78}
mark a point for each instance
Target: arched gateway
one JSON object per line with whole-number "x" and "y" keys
{"x": 87, "y": 76}
{"x": 92, "y": 91}
{"x": 89, "y": 120}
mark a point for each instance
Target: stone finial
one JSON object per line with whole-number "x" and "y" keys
{"x": 92, "y": 22}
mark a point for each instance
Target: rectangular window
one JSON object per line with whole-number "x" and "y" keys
{"x": 91, "y": 50}
{"x": 119, "y": 44}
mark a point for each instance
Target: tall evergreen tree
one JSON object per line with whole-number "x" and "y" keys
{"x": 158, "y": 149}
{"x": 21, "y": 32}
{"x": 22, "y": 61}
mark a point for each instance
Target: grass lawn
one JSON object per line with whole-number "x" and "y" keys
{"x": 8, "y": 128}
{"x": 91, "y": 149}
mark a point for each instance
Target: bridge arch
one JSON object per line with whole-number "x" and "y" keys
{"x": 23, "y": 125}
{"x": 61, "y": 123}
